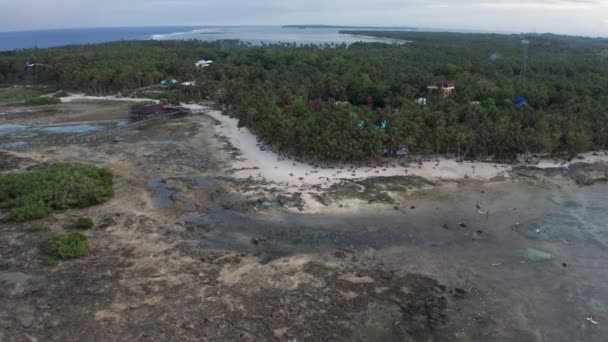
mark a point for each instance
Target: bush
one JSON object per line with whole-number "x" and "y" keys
{"x": 37, "y": 193}
{"x": 41, "y": 101}
{"x": 66, "y": 246}
{"x": 61, "y": 93}
{"x": 83, "y": 223}
{"x": 35, "y": 227}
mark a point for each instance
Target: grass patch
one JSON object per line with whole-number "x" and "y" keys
{"x": 83, "y": 223}
{"x": 66, "y": 246}
{"x": 37, "y": 193}
{"x": 139, "y": 104}
{"x": 35, "y": 227}
{"x": 20, "y": 94}
{"x": 41, "y": 101}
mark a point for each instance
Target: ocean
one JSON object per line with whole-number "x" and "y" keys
{"x": 254, "y": 35}
{"x": 52, "y": 38}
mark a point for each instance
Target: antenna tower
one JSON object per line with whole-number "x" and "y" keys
{"x": 524, "y": 64}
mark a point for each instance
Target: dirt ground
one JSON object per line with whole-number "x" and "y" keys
{"x": 145, "y": 281}
{"x": 186, "y": 251}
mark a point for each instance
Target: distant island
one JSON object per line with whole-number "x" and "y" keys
{"x": 350, "y": 27}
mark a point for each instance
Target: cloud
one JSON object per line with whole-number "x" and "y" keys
{"x": 560, "y": 16}
{"x": 546, "y": 4}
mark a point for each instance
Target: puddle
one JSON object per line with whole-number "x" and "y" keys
{"x": 22, "y": 131}
{"x": 11, "y": 129}
{"x": 564, "y": 200}
{"x": 71, "y": 129}
{"x": 556, "y": 227}
{"x": 535, "y": 255}
{"x": 163, "y": 193}
{"x": 13, "y": 144}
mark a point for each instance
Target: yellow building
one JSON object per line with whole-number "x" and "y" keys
{"x": 445, "y": 88}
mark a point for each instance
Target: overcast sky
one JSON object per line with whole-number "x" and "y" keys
{"x": 586, "y": 17}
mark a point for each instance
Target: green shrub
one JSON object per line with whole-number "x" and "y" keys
{"x": 61, "y": 93}
{"x": 83, "y": 223}
{"x": 52, "y": 261}
{"x": 35, "y": 227}
{"x": 41, "y": 101}
{"x": 66, "y": 246}
{"x": 37, "y": 193}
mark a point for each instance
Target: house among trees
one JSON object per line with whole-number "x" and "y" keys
{"x": 445, "y": 88}
{"x": 29, "y": 65}
{"x": 164, "y": 84}
{"x": 203, "y": 63}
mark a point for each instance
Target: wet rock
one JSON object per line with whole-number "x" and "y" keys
{"x": 258, "y": 240}
{"x": 18, "y": 281}
{"x": 459, "y": 292}
{"x": 26, "y": 319}
{"x": 583, "y": 174}
{"x": 107, "y": 221}
{"x": 340, "y": 254}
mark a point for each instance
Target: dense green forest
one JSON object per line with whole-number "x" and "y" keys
{"x": 354, "y": 103}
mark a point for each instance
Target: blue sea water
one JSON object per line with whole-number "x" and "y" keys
{"x": 254, "y": 35}
{"x": 257, "y": 35}
{"x": 52, "y": 38}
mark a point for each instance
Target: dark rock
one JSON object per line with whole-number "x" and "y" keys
{"x": 107, "y": 221}
{"x": 459, "y": 293}
{"x": 258, "y": 240}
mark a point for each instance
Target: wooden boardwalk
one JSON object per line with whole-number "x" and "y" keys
{"x": 17, "y": 144}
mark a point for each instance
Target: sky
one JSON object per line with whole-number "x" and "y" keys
{"x": 575, "y": 17}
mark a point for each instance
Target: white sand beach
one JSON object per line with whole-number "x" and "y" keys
{"x": 261, "y": 163}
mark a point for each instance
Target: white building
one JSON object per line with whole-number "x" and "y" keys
{"x": 203, "y": 63}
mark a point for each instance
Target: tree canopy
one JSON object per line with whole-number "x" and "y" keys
{"x": 354, "y": 103}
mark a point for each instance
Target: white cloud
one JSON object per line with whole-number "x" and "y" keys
{"x": 560, "y": 16}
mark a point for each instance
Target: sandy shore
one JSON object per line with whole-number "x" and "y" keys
{"x": 264, "y": 164}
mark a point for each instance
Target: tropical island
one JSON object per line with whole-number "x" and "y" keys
{"x": 361, "y": 102}
{"x": 450, "y": 187}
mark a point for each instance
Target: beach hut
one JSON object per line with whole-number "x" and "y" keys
{"x": 520, "y": 101}
{"x": 445, "y": 88}
{"x": 203, "y": 63}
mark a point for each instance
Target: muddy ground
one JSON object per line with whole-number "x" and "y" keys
{"x": 187, "y": 251}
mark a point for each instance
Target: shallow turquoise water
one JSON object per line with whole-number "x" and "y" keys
{"x": 536, "y": 262}
{"x": 71, "y": 129}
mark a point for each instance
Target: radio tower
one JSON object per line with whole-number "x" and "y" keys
{"x": 524, "y": 64}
